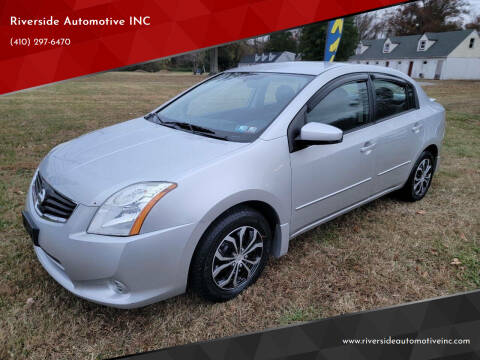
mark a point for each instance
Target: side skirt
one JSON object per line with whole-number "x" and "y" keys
{"x": 343, "y": 211}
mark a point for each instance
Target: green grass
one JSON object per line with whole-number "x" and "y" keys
{"x": 300, "y": 315}
{"x": 469, "y": 256}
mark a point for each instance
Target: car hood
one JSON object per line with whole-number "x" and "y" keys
{"x": 92, "y": 167}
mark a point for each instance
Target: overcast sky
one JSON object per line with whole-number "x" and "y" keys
{"x": 476, "y": 6}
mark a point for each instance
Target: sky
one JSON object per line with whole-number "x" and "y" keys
{"x": 475, "y": 4}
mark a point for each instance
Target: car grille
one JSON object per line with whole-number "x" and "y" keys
{"x": 50, "y": 203}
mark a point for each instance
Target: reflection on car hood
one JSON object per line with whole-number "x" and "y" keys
{"x": 90, "y": 168}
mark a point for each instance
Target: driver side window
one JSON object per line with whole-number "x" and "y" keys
{"x": 345, "y": 107}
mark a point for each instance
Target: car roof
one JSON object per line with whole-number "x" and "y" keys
{"x": 291, "y": 67}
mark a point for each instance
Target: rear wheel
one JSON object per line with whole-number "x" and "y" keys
{"x": 420, "y": 178}
{"x": 231, "y": 255}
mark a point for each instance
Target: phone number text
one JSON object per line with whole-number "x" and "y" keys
{"x": 17, "y": 42}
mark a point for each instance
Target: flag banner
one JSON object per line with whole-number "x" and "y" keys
{"x": 48, "y": 41}
{"x": 334, "y": 35}
{"x": 441, "y": 328}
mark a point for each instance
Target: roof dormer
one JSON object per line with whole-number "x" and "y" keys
{"x": 388, "y": 46}
{"x": 424, "y": 43}
{"x": 361, "y": 48}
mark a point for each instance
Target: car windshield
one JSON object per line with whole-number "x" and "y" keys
{"x": 234, "y": 106}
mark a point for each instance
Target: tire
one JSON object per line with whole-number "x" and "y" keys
{"x": 420, "y": 178}
{"x": 219, "y": 271}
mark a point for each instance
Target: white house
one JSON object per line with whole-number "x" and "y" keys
{"x": 270, "y": 57}
{"x": 452, "y": 55}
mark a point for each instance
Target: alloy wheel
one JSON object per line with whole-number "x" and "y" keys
{"x": 237, "y": 258}
{"x": 422, "y": 178}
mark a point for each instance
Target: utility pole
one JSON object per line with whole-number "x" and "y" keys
{"x": 213, "y": 60}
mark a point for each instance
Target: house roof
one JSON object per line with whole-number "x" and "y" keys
{"x": 262, "y": 58}
{"x": 445, "y": 43}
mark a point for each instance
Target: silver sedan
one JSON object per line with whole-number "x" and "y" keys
{"x": 201, "y": 191}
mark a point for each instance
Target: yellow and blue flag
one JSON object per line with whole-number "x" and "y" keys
{"x": 334, "y": 34}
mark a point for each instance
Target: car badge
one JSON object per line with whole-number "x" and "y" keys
{"x": 41, "y": 196}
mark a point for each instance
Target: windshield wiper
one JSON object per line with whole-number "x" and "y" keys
{"x": 214, "y": 136}
{"x": 154, "y": 115}
{"x": 159, "y": 120}
{"x": 196, "y": 129}
{"x": 188, "y": 126}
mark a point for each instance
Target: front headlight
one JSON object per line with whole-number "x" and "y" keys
{"x": 123, "y": 213}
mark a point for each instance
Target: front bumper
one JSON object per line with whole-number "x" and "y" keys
{"x": 151, "y": 267}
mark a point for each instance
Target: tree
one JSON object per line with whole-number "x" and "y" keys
{"x": 426, "y": 16}
{"x": 229, "y": 55}
{"x": 152, "y": 66}
{"x": 367, "y": 26}
{"x": 281, "y": 41}
{"x": 349, "y": 40}
{"x": 312, "y": 41}
{"x": 475, "y": 24}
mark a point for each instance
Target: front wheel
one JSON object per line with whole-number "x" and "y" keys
{"x": 231, "y": 255}
{"x": 420, "y": 178}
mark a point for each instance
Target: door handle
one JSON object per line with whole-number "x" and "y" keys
{"x": 368, "y": 147}
{"x": 416, "y": 128}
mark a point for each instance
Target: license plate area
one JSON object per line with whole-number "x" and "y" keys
{"x": 30, "y": 227}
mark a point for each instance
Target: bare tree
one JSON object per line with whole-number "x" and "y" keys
{"x": 475, "y": 24}
{"x": 426, "y": 16}
{"x": 368, "y": 26}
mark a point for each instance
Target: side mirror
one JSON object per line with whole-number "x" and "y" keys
{"x": 315, "y": 133}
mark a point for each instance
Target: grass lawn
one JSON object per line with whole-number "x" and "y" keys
{"x": 388, "y": 252}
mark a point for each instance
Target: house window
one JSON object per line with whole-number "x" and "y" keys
{"x": 423, "y": 44}
{"x": 472, "y": 42}
{"x": 425, "y": 62}
{"x": 399, "y": 62}
{"x": 386, "y": 48}
{"x": 376, "y": 62}
{"x": 367, "y": 62}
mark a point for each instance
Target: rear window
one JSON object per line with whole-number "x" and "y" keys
{"x": 392, "y": 98}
